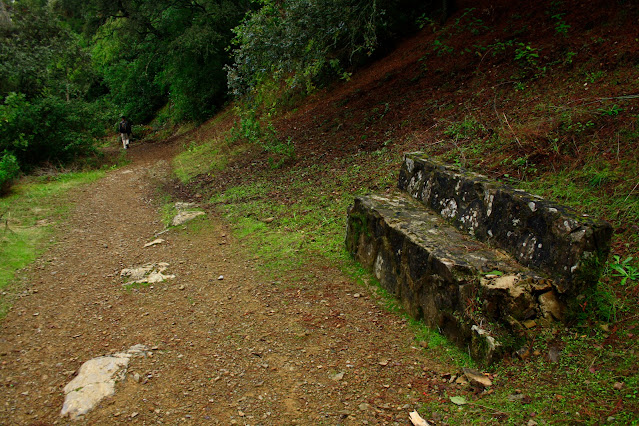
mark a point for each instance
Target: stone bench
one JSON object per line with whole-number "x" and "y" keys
{"x": 474, "y": 258}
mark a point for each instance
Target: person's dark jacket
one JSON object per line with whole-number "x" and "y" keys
{"x": 124, "y": 127}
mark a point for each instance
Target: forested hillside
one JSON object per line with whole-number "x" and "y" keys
{"x": 69, "y": 69}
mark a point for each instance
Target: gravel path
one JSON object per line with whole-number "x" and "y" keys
{"x": 237, "y": 350}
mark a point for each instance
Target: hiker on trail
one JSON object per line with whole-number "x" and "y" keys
{"x": 124, "y": 127}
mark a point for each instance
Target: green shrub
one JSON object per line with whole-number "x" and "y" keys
{"x": 260, "y": 131}
{"x": 47, "y": 129}
{"x": 9, "y": 169}
{"x": 305, "y": 43}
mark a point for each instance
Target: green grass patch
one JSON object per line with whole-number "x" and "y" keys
{"x": 286, "y": 219}
{"x": 596, "y": 190}
{"x": 199, "y": 159}
{"x": 590, "y": 382}
{"x": 167, "y": 210}
{"x": 27, "y": 215}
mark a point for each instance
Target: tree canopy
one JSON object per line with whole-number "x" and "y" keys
{"x": 69, "y": 68}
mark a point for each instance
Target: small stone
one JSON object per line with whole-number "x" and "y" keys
{"x": 553, "y": 354}
{"x": 182, "y": 287}
{"x": 184, "y": 217}
{"x": 269, "y": 220}
{"x": 618, "y": 386}
{"x": 338, "y": 376}
{"x": 477, "y": 378}
{"x": 220, "y": 278}
{"x": 133, "y": 415}
{"x": 357, "y": 295}
{"x": 461, "y": 381}
{"x": 95, "y": 381}
{"x": 531, "y": 422}
{"x": 181, "y": 205}
{"x": 154, "y": 242}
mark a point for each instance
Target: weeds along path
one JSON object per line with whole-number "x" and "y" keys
{"x": 237, "y": 350}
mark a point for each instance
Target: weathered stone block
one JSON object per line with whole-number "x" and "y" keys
{"x": 438, "y": 272}
{"x": 539, "y": 234}
{"x": 474, "y": 258}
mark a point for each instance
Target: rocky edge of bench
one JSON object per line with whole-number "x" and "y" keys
{"x": 476, "y": 259}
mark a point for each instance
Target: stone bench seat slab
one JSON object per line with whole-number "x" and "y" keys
{"x": 467, "y": 290}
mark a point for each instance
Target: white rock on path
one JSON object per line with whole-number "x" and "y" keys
{"x": 96, "y": 380}
{"x": 181, "y": 206}
{"x": 183, "y": 217}
{"x": 150, "y": 273}
{"x": 155, "y": 242}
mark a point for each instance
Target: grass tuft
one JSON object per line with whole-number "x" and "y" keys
{"x": 27, "y": 216}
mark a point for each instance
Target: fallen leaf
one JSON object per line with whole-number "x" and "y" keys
{"x": 416, "y": 419}
{"x": 458, "y": 400}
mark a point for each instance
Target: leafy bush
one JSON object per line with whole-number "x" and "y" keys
{"x": 152, "y": 53}
{"x": 9, "y": 169}
{"x": 260, "y": 131}
{"x": 47, "y": 129}
{"x": 308, "y": 42}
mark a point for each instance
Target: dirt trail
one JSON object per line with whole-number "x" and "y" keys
{"x": 240, "y": 350}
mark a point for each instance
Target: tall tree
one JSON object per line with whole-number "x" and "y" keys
{"x": 153, "y": 51}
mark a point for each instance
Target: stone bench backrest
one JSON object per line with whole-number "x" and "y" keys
{"x": 553, "y": 239}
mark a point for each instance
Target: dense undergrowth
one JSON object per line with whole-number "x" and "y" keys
{"x": 544, "y": 99}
